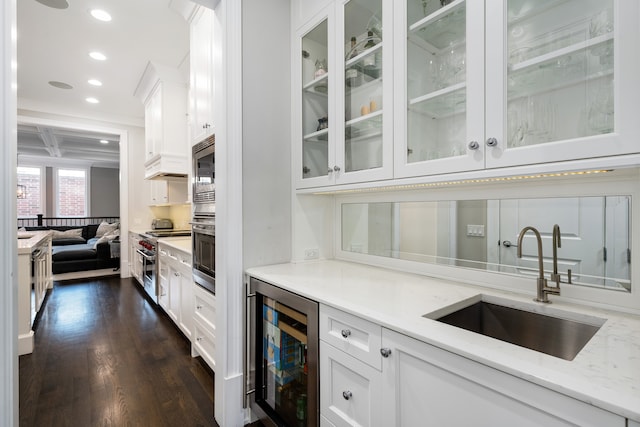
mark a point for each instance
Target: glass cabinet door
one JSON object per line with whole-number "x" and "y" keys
{"x": 560, "y": 71}
{"x": 315, "y": 102}
{"x": 565, "y": 79}
{"x": 444, "y": 95}
{"x": 366, "y": 152}
{"x": 436, "y": 80}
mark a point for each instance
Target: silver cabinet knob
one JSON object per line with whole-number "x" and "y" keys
{"x": 492, "y": 142}
{"x": 336, "y": 168}
{"x": 385, "y": 352}
{"x": 473, "y": 145}
{"x": 345, "y": 333}
{"x": 347, "y": 395}
{"x": 329, "y": 170}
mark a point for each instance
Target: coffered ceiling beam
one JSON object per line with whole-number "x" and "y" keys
{"x": 50, "y": 141}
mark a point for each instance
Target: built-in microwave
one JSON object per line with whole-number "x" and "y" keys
{"x": 204, "y": 186}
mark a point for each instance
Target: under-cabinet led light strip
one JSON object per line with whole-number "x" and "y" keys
{"x": 466, "y": 181}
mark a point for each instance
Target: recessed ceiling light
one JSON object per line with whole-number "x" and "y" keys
{"x": 56, "y": 4}
{"x": 101, "y": 15}
{"x": 104, "y": 141}
{"x": 94, "y": 82}
{"x": 97, "y": 56}
{"x": 60, "y": 85}
{"x": 91, "y": 100}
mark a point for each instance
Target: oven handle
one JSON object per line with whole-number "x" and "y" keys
{"x": 149, "y": 257}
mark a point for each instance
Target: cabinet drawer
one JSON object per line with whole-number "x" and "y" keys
{"x": 349, "y": 389}
{"x": 351, "y": 334}
{"x": 204, "y": 307}
{"x": 204, "y": 343}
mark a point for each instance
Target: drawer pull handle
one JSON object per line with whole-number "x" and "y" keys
{"x": 198, "y": 307}
{"x": 385, "y": 352}
{"x": 347, "y": 395}
{"x": 199, "y": 339}
{"x": 346, "y": 333}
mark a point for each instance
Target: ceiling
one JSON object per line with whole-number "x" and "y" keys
{"x": 54, "y": 45}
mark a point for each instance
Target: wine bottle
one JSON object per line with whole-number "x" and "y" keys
{"x": 371, "y": 68}
{"x": 353, "y": 74}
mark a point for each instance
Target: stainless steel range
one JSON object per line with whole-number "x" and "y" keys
{"x": 147, "y": 249}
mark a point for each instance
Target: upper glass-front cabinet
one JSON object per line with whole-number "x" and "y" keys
{"x": 567, "y": 87}
{"x": 514, "y": 82}
{"x": 346, "y": 109}
{"x": 443, "y": 106}
{"x": 315, "y": 102}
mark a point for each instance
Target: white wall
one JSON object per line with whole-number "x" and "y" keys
{"x": 105, "y": 192}
{"x": 8, "y": 250}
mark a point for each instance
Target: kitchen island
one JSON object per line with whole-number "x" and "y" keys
{"x": 34, "y": 278}
{"x": 604, "y": 375}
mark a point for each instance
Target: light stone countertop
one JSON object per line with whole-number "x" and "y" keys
{"x": 31, "y": 240}
{"x": 180, "y": 243}
{"x": 606, "y": 373}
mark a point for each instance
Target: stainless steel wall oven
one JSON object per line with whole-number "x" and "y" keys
{"x": 203, "y": 239}
{"x": 282, "y": 363}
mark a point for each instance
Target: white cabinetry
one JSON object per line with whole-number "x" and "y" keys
{"x": 204, "y": 325}
{"x": 201, "y": 80}
{"x": 350, "y": 369}
{"x": 374, "y": 376}
{"x": 163, "y": 192}
{"x": 495, "y": 84}
{"x": 176, "y": 287}
{"x": 164, "y": 94}
{"x": 344, "y": 131}
{"x": 135, "y": 259}
{"x": 423, "y": 382}
{"x": 469, "y": 86}
{"x": 631, "y": 423}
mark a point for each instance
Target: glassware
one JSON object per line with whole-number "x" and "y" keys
{"x": 321, "y": 68}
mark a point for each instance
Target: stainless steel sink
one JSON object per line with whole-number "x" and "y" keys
{"x": 556, "y": 336}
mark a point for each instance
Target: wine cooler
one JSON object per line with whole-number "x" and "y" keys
{"x": 283, "y": 356}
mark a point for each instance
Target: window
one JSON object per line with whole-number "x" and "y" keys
{"x": 71, "y": 192}
{"x": 30, "y": 204}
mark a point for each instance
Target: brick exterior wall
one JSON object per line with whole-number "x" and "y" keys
{"x": 31, "y": 206}
{"x": 71, "y": 196}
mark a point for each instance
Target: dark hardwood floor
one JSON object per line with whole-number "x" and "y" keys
{"x": 104, "y": 356}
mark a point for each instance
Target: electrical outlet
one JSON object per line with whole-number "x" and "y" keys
{"x": 311, "y": 253}
{"x": 475, "y": 230}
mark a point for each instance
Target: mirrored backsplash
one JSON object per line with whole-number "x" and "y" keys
{"x": 595, "y": 235}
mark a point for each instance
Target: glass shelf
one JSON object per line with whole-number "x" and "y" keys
{"x": 520, "y": 10}
{"x": 317, "y": 85}
{"x": 442, "y": 28}
{"x": 556, "y": 54}
{"x": 361, "y": 56}
{"x": 441, "y": 104}
{"x": 551, "y": 72}
{"x": 364, "y": 127}
{"x": 318, "y": 136}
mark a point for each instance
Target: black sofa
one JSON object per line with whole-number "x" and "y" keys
{"x": 79, "y": 253}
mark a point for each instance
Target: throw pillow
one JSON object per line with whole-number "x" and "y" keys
{"x": 74, "y": 232}
{"x": 105, "y": 228}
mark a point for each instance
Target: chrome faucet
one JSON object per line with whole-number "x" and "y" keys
{"x": 542, "y": 289}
